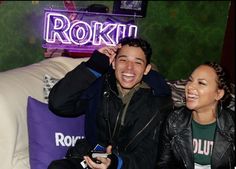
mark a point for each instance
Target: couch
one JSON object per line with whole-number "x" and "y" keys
{"x": 35, "y": 80}
{"x": 15, "y": 87}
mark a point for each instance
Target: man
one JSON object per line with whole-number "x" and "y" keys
{"x": 123, "y": 113}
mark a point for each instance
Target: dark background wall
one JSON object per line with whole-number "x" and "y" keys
{"x": 228, "y": 51}
{"x": 183, "y": 34}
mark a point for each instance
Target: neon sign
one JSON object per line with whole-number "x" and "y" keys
{"x": 86, "y": 31}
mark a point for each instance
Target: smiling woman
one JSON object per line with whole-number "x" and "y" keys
{"x": 204, "y": 126}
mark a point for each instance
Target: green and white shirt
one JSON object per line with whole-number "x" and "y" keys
{"x": 203, "y": 141}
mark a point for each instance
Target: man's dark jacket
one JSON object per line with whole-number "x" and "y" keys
{"x": 135, "y": 141}
{"x": 177, "y": 150}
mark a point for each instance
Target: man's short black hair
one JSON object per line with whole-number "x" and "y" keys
{"x": 138, "y": 42}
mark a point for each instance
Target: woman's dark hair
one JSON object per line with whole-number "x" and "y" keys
{"x": 222, "y": 81}
{"x": 138, "y": 42}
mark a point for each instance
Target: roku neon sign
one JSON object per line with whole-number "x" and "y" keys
{"x": 85, "y": 30}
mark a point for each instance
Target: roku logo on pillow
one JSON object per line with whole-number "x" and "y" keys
{"x": 66, "y": 140}
{"x": 54, "y": 133}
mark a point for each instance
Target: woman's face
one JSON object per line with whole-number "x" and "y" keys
{"x": 202, "y": 91}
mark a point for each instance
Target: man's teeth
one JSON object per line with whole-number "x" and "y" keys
{"x": 128, "y": 74}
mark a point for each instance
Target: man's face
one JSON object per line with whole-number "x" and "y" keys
{"x": 130, "y": 65}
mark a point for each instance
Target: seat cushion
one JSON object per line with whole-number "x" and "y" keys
{"x": 50, "y": 135}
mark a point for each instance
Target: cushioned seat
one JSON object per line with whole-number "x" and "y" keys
{"x": 15, "y": 87}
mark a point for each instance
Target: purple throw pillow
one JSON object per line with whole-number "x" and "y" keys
{"x": 50, "y": 136}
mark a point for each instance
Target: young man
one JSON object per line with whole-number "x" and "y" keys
{"x": 123, "y": 113}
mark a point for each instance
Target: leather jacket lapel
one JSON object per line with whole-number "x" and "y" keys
{"x": 182, "y": 142}
{"x": 224, "y": 140}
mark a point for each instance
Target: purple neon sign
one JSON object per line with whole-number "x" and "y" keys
{"x": 86, "y": 31}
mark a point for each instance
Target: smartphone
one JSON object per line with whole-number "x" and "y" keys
{"x": 99, "y": 154}
{"x": 98, "y": 151}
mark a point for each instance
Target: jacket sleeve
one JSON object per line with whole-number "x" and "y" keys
{"x": 68, "y": 97}
{"x": 158, "y": 83}
{"x": 166, "y": 157}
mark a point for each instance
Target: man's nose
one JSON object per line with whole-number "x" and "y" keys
{"x": 130, "y": 65}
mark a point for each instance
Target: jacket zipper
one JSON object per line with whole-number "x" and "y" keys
{"x": 115, "y": 128}
{"x": 230, "y": 142}
{"x": 141, "y": 131}
{"x": 178, "y": 150}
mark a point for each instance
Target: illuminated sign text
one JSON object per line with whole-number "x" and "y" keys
{"x": 61, "y": 32}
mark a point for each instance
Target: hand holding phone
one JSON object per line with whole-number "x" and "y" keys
{"x": 98, "y": 151}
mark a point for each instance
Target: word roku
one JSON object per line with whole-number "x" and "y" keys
{"x": 59, "y": 28}
{"x": 66, "y": 140}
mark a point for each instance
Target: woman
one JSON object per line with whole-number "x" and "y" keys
{"x": 200, "y": 135}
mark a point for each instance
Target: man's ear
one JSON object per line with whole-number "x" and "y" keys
{"x": 113, "y": 64}
{"x": 147, "y": 69}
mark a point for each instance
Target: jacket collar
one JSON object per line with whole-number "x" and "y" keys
{"x": 110, "y": 81}
{"x": 220, "y": 121}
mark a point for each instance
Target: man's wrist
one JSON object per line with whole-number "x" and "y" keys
{"x": 114, "y": 161}
{"x": 98, "y": 62}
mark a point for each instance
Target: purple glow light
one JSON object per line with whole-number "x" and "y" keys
{"x": 61, "y": 32}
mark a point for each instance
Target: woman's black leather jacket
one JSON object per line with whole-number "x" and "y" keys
{"x": 177, "y": 146}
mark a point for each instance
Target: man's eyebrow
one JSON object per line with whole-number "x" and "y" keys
{"x": 140, "y": 59}
{"x": 137, "y": 58}
{"x": 119, "y": 56}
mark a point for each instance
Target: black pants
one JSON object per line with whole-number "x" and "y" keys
{"x": 71, "y": 163}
